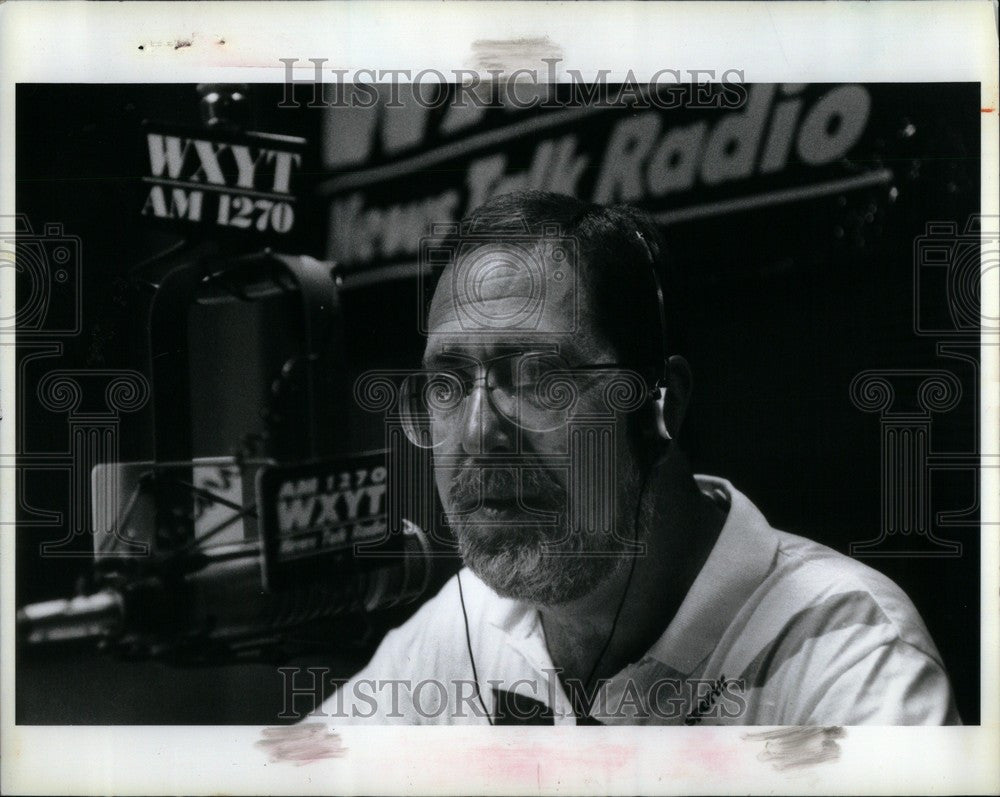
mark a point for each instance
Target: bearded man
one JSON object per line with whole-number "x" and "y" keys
{"x": 603, "y": 581}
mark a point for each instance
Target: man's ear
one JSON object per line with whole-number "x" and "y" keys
{"x": 671, "y": 405}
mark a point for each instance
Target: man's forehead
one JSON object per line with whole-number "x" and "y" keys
{"x": 500, "y": 289}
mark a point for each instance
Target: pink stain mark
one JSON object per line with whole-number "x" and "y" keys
{"x": 529, "y": 764}
{"x": 708, "y": 754}
{"x": 301, "y": 744}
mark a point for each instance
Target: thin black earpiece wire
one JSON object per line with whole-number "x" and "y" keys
{"x": 628, "y": 583}
{"x": 468, "y": 642}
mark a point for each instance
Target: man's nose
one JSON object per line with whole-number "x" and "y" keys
{"x": 484, "y": 430}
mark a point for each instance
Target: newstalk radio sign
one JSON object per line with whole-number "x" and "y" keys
{"x": 396, "y": 170}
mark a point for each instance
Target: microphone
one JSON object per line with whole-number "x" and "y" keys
{"x": 243, "y": 574}
{"x": 82, "y": 617}
{"x": 260, "y": 556}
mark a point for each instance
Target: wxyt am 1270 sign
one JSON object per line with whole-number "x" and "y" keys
{"x": 238, "y": 182}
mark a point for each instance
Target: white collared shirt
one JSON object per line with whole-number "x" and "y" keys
{"x": 775, "y": 630}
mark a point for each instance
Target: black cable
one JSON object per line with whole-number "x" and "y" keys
{"x": 621, "y": 602}
{"x": 468, "y": 643}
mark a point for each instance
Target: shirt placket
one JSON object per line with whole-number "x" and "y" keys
{"x": 530, "y": 645}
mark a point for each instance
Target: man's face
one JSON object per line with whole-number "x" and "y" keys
{"x": 528, "y": 523}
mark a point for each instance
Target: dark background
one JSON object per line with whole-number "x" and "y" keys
{"x": 784, "y": 306}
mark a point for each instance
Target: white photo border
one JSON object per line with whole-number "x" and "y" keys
{"x": 243, "y": 42}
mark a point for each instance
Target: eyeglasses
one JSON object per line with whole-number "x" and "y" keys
{"x": 537, "y": 391}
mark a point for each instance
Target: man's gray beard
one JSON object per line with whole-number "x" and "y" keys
{"x": 517, "y": 563}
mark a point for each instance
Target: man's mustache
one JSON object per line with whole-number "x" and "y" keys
{"x": 533, "y": 483}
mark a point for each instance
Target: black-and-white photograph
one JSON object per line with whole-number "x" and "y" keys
{"x": 516, "y": 395}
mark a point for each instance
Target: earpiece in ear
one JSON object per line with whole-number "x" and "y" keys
{"x": 661, "y": 421}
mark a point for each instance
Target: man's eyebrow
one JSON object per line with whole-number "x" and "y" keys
{"x": 432, "y": 358}
{"x": 462, "y": 348}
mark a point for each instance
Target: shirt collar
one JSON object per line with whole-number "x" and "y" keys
{"x": 739, "y": 561}
{"x": 513, "y": 617}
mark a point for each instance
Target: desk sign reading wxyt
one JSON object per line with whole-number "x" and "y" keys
{"x": 321, "y": 517}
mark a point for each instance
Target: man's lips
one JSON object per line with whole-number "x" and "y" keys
{"x": 499, "y": 504}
